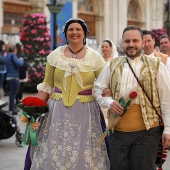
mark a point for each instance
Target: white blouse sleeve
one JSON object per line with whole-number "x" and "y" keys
{"x": 163, "y": 83}
{"x": 103, "y": 81}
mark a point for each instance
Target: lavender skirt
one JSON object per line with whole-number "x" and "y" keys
{"x": 67, "y": 139}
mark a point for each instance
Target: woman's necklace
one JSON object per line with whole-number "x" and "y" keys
{"x": 74, "y": 53}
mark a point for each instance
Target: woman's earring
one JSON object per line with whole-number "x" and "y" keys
{"x": 84, "y": 41}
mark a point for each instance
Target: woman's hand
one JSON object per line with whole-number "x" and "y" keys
{"x": 166, "y": 141}
{"x": 106, "y": 93}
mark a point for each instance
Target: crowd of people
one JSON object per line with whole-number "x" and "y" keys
{"x": 11, "y": 61}
{"x": 79, "y": 82}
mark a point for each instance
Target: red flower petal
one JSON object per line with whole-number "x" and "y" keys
{"x": 133, "y": 94}
{"x": 33, "y": 101}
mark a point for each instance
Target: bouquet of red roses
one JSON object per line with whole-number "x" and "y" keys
{"x": 125, "y": 101}
{"x": 32, "y": 108}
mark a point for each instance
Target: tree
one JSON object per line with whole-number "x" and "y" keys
{"x": 36, "y": 39}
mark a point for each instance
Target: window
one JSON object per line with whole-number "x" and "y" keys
{"x": 13, "y": 18}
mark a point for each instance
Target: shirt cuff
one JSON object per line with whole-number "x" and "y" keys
{"x": 109, "y": 101}
{"x": 45, "y": 88}
{"x": 166, "y": 130}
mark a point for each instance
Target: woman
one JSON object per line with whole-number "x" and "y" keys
{"x": 69, "y": 132}
{"x": 108, "y": 50}
{"x": 2, "y": 64}
{"x": 23, "y": 73}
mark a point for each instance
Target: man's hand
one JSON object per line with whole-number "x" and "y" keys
{"x": 116, "y": 108}
{"x": 166, "y": 141}
{"x": 106, "y": 93}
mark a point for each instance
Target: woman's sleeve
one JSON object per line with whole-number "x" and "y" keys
{"x": 48, "y": 82}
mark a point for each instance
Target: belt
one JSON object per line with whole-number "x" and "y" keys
{"x": 85, "y": 92}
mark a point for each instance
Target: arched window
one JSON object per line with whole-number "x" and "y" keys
{"x": 134, "y": 12}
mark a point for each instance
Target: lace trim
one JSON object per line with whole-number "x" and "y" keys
{"x": 45, "y": 88}
{"x": 92, "y": 61}
{"x": 81, "y": 98}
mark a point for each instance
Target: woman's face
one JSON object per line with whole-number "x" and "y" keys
{"x": 75, "y": 33}
{"x": 106, "y": 49}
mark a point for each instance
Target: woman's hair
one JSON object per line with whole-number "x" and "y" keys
{"x": 109, "y": 42}
{"x": 19, "y": 49}
{"x": 1, "y": 45}
{"x": 11, "y": 48}
{"x": 79, "y": 21}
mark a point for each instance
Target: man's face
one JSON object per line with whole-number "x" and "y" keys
{"x": 148, "y": 44}
{"x": 165, "y": 45}
{"x": 132, "y": 43}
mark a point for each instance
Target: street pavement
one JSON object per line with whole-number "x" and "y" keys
{"x": 12, "y": 157}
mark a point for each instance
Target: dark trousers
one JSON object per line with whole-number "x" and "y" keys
{"x": 134, "y": 150}
{"x": 5, "y": 85}
{"x": 14, "y": 87}
{"x": 20, "y": 92}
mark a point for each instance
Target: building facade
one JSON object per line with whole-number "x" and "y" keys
{"x": 105, "y": 18}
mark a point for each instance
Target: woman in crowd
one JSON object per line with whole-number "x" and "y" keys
{"x": 108, "y": 50}
{"x": 23, "y": 75}
{"x": 68, "y": 133}
{"x": 2, "y": 64}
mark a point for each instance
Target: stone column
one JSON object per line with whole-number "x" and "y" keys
{"x": 157, "y": 14}
{"x": 122, "y": 18}
{"x": 148, "y": 14}
{"x": 74, "y": 8}
{"x": 99, "y": 29}
{"x": 114, "y": 21}
{"x": 106, "y": 19}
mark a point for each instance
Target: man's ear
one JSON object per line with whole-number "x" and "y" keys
{"x": 153, "y": 40}
{"x": 143, "y": 43}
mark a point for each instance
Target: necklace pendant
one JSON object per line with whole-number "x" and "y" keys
{"x": 74, "y": 56}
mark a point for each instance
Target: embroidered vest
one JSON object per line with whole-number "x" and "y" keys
{"x": 148, "y": 80}
{"x": 163, "y": 57}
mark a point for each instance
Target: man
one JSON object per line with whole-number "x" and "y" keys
{"x": 134, "y": 142}
{"x": 148, "y": 46}
{"x": 165, "y": 48}
{"x": 165, "y": 44}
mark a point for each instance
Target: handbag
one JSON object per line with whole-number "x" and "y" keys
{"x": 22, "y": 70}
{"x": 161, "y": 153}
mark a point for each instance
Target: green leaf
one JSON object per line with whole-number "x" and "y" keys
{"x": 128, "y": 103}
{"x": 29, "y": 110}
{"x": 121, "y": 101}
{"x": 20, "y": 105}
{"x": 42, "y": 109}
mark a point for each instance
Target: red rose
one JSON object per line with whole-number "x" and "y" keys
{"x": 133, "y": 94}
{"x": 33, "y": 101}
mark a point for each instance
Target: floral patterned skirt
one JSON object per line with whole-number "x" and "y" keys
{"x": 67, "y": 139}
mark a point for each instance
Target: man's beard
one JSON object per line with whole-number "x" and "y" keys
{"x": 137, "y": 54}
